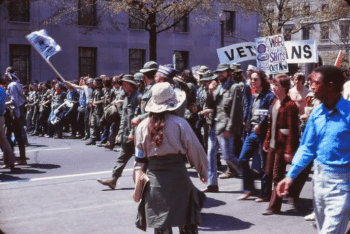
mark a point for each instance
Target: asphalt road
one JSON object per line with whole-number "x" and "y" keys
{"x": 57, "y": 193}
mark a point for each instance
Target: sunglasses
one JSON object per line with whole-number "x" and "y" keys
{"x": 255, "y": 79}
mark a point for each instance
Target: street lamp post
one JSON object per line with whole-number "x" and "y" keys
{"x": 222, "y": 19}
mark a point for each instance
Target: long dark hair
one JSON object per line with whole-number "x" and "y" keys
{"x": 263, "y": 77}
{"x": 156, "y": 126}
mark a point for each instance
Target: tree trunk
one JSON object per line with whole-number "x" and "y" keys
{"x": 152, "y": 38}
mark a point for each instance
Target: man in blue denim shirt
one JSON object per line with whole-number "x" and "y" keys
{"x": 325, "y": 140}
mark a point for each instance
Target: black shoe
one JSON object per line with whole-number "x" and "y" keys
{"x": 91, "y": 142}
{"x": 211, "y": 189}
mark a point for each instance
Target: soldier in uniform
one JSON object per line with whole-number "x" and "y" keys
{"x": 96, "y": 111}
{"x": 149, "y": 71}
{"x": 131, "y": 105}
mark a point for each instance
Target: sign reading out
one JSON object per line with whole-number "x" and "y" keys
{"x": 271, "y": 54}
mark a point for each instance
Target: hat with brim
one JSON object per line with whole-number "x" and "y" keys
{"x": 209, "y": 76}
{"x": 149, "y": 66}
{"x": 165, "y": 98}
{"x": 130, "y": 79}
{"x": 138, "y": 76}
{"x": 223, "y": 67}
{"x": 202, "y": 70}
{"x": 238, "y": 68}
{"x": 251, "y": 68}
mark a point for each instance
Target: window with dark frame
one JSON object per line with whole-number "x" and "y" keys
{"x": 182, "y": 26}
{"x": 19, "y": 11}
{"x": 306, "y": 10}
{"x": 182, "y": 58}
{"x": 287, "y": 34}
{"x": 87, "y": 13}
{"x": 87, "y": 61}
{"x": 288, "y": 13}
{"x": 20, "y": 60}
{"x": 136, "y": 60}
{"x": 135, "y": 15}
{"x": 325, "y": 7}
{"x": 230, "y": 22}
{"x": 306, "y": 33}
{"x": 324, "y": 31}
{"x": 344, "y": 29}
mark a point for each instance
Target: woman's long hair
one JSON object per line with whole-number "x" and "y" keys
{"x": 263, "y": 78}
{"x": 156, "y": 127}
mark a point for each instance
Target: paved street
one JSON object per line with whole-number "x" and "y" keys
{"x": 57, "y": 193}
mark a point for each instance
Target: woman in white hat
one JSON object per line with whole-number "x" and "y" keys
{"x": 163, "y": 140}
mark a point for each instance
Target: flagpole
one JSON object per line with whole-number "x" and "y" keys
{"x": 50, "y": 64}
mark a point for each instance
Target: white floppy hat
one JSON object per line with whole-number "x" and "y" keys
{"x": 251, "y": 68}
{"x": 165, "y": 98}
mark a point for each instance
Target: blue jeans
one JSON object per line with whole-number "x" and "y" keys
{"x": 331, "y": 199}
{"x": 251, "y": 144}
{"x": 227, "y": 148}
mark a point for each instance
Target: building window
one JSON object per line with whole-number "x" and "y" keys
{"x": 20, "y": 60}
{"x": 306, "y": 10}
{"x": 134, "y": 22}
{"x": 230, "y": 22}
{"x": 19, "y": 10}
{"x": 288, "y": 13}
{"x": 87, "y": 12}
{"x": 287, "y": 34}
{"x": 181, "y": 61}
{"x": 136, "y": 60}
{"x": 344, "y": 29}
{"x": 182, "y": 26}
{"x": 325, "y": 7}
{"x": 87, "y": 61}
{"x": 324, "y": 31}
{"x": 306, "y": 33}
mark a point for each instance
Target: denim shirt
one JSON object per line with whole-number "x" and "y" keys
{"x": 325, "y": 139}
{"x": 2, "y": 101}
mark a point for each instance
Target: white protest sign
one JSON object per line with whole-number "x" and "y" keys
{"x": 304, "y": 51}
{"x": 271, "y": 54}
{"x": 237, "y": 53}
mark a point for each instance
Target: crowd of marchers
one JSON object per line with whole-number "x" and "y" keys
{"x": 255, "y": 124}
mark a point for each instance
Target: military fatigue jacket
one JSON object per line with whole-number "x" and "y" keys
{"x": 228, "y": 107}
{"x": 131, "y": 109}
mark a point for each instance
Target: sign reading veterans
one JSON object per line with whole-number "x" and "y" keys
{"x": 304, "y": 51}
{"x": 44, "y": 44}
{"x": 237, "y": 53}
{"x": 271, "y": 54}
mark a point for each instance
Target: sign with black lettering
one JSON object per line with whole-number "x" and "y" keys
{"x": 237, "y": 53}
{"x": 271, "y": 55}
{"x": 304, "y": 51}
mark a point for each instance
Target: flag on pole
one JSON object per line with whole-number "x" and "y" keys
{"x": 45, "y": 45}
{"x": 338, "y": 60}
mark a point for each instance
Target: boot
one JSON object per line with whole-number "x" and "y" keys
{"x": 91, "y": 142}
{"x": 110, "y": 182}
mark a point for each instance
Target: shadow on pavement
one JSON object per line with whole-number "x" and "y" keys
{"x": 109, "y": 189}
{"x": 302, "y": 208}
{"x": 193, "y": 174}
{"x": 219, "y": 222}
{"x": 211, "y": 202}
{"x": 36, "y": 145}
{"x": 44, "y": 166}
{"x": 19, "y": 171}
{"x": 10, "y": 178}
